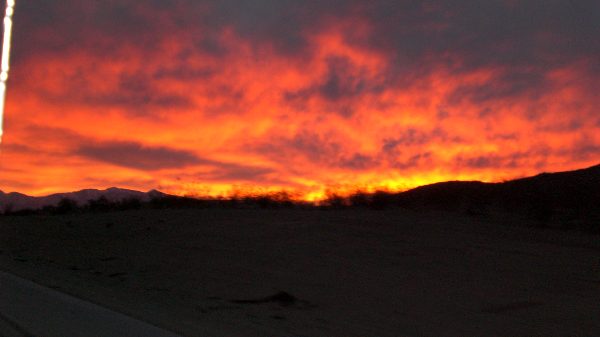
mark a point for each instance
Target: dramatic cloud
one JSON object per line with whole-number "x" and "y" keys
{"x": 137, "y": 156}
{"x": 206, "y": 96}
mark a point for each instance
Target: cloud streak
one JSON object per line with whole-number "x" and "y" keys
{"x": 137, "y": 156}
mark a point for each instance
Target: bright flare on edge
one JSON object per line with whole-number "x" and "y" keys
{"x": 10, "y": 6}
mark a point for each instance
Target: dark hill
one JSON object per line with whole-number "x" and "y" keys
{"x": 567, "y": 199}
{"x": 564, "y": 199}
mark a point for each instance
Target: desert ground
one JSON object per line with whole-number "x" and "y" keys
{"x": 286, "y": 272}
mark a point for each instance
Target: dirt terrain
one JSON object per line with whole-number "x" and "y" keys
{"x": 217, "y": 272}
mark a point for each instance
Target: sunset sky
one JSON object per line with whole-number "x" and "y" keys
{"x": 237, "y": 96}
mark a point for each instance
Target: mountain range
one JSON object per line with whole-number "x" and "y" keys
{"x": 570, "y": 194}
{"x": 579, "y": 189}
{"x": 18, "y": 201}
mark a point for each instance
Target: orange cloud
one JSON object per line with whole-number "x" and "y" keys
{"x": 333, "y": 104}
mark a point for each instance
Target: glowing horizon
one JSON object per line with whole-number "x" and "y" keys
{"x": 224, "y": 97}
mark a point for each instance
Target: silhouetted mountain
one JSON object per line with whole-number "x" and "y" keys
{"x": 17, "y": 201}
{"x": 115, "y": 199}
{"x": 564, "y": 199}
{"x": 578, "y": 189}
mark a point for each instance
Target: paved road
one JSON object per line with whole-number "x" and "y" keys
{"x": 29, "y": 309}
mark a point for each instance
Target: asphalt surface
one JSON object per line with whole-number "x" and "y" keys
{"x": 29, "y": 309}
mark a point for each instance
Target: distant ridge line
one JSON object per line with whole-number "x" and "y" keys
{"x": 18, "y": 201}
{"x": 577, "y": 189}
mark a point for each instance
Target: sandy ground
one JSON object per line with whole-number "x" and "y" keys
{"x": 344, "y": 273}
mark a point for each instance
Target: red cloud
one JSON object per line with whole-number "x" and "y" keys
{"x": 210, "y": 97}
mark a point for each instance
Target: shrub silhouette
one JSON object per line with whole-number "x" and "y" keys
{"x": 64, "y": 206}
{"x": 129, "y": 203}
{"x": 336, "y": 201}
{"x": 100, "y": 205}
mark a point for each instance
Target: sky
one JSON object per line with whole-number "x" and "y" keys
{"x": 221, "y": 97}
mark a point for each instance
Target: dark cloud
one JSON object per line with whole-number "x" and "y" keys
{"x": 415, "y": 137}
{"x": 504, "y": 136}
{"x": 588, "y": 151}
{"x": 183, "y": 73}
{"x": 324, "y": 150}
{"x": 148, "y": 158}
{"x": 137, "y": 93}
{"x": 100, "y": 27}
{"x": 414, "y": 161}
{"x": 522, "y": 40}
{"x": 558, "y": 127}
{"x": 585, "y": 148}
{"x": 19, "y": 148}
{"x": 482, "y": 162}
{"x": 509, "y": 85}
{"x": 506, "y": 161}
{"x": 227, "y": 172}
{"x": 494, "y": 31}
{"x": 409, "y": 137}
{"x": 358, "y": 162}
{"x": 137, "y": 156}
{"x": 341, "y": 85}
{"x": 282, "y": 25}
{"x": 45, "y": 135}
{"x": 210, "y": 46}
{"x": 343, "y": 80}
{"x": 137, "y": 90}
{"x": 315, "y": 147}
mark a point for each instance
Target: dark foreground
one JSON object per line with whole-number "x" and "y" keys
{"x": 316, "y": 272}
{"x": 29, "y": 309}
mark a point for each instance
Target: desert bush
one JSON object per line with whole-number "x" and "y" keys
{"x": 65, "y": 205}
{"x": 100, "y": 205}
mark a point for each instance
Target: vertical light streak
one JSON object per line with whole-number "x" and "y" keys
{"x": 10, "y": 6}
